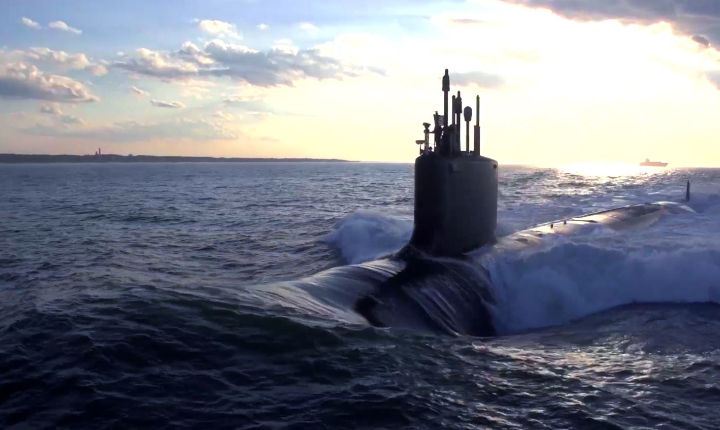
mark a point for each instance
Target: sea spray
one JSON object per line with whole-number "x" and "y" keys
{"x": 568, "y": 281}
{"x": 367, "y": 235}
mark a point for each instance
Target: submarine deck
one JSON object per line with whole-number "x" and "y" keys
{"x": 624, "y": 218}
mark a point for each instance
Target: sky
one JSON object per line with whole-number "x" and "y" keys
{"x": 561, "y": 81}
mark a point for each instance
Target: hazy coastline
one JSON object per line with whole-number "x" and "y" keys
{"x": 114, "y": 158}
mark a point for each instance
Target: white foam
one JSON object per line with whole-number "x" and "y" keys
{"x": 367, "y": 235}
{"x": 568, "y": 280}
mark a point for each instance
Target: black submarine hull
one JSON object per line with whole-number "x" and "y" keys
{"x": 413, "y": 291}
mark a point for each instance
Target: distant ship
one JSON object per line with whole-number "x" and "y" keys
{"x": 648, "y": 163}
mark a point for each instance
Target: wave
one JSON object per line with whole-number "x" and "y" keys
{"x": 420, "y": 294}
{"x": 569, "y": 281}
{"x": 567, "y": 278}
{"x": 705, "y": 202}
{"x": 367, "y": 235}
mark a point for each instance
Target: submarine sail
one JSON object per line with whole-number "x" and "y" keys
{"x": 455, "y": 190}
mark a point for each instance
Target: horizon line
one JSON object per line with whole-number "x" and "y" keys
{"x": 331, "y": 159}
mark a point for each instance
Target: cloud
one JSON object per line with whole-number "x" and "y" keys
{"x": 286, "y": 46}
{"x": 245, "y": 95}
{"x": 71, "y": 120}
{"x": 190, "y": 52}
{"x": 30, "y": 23}
{"x": 701, "y": 40}
{"x": 134, "y": 131}
{"x": 51, "y": 110}
{"x": 61, "y": 58}
{"x": 242, "y": 102}
{"x": 66, "y": 120}
{"x": 215, "y": 27}
{"x": 263, "y": 26}
{"x": 59, "y": 25}
{"x": 97, "y": 69}
{"x": 75, "y": 61}
{"x": 157, "y": 64}
{"x": 194, "y": 88}
{"x": 170, "y": 105}
{"x": 219, "y": 28}
{"x": 221, "y": 59}
{"x": 470, "y": 22}
{"x": 223, "y": 52}
{"x": 714, "y": 78}
{"x": 274, "y": 68}
{"x": 306, "y": 26}
{"x": 691, "y": 17}
{"x": 140, "y": 92}
{"x": 22, "y": 81}
{"x": 480, "y": 79}
{"x": 224, "y": 116}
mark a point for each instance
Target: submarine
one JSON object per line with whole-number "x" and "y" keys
{"x": 439, "y": 281}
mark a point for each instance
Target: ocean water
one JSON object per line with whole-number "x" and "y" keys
{"x": 165, "y": 296}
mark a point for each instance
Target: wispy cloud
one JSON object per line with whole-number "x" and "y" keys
{"x": 71, "y": 120}
{"x": 97, "y": 69}
{"x": 224, "y": 116}
{"x": 158, "y": 64}
{"x": 714, "y": 78}
{"x": 306, "y": 26}
{"x": 51, "y": 110}
{"x": 480, "y": 79}
{"x": 30, "y": 23}
{"x": 55, "y": 111}
{"x": 246, "y": 95}
{"x": 196, "y": 88}
{"x": 464, "y": 21}
{"x": 170, "y": 105}
{"x": 263, "y": 26}
{"x": 219, "y": 58}
{"x": 59, "y": 25}
{"x": 140, "y": 92}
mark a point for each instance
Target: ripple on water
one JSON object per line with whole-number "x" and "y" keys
{"x": 127, "y": 301}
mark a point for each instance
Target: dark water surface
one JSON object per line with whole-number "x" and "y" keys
{"x": 144, "y": 296}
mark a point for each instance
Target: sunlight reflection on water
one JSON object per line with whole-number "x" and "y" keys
{"x": 610, "y": 170}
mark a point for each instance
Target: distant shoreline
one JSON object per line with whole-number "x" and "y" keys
{"x": 113, "y": 158}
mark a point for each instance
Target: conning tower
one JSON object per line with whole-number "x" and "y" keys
{"x": 455, "y": 190}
